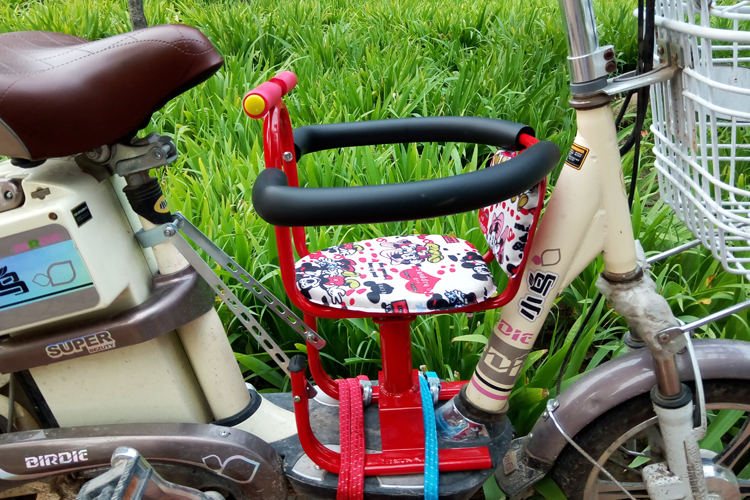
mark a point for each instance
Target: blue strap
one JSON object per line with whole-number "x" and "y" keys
{"x": 430, "y": 441}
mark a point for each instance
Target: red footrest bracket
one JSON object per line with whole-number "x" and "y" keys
{"x": 402, "y": 436}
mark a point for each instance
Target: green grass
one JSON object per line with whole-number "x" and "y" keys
{"x": 388, "y": 59}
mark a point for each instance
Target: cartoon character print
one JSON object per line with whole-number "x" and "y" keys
{"x": 518, "y": 248}
{"x": 523, "y": 200}
{"x": 446, "y": 271}
{"x": 506, "y": 225}
{"x": 333, "y": 276}
{"x": 395, "y": 307}
{"x": 501, "y": 156}
{"x": 376, "y": 290}
{"x": 406, "y": 251}
{"x": 498, "y": 232}
{"x": 475, "y": 262}
{"x": 452, "y": 300}
{"x": 345, "y": 249}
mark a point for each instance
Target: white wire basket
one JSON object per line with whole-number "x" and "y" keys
{"x": 701, "y": 124}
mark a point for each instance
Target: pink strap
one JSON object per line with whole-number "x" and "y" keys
{"x": 344, "y": 487}
{"x": 352, "y": 430}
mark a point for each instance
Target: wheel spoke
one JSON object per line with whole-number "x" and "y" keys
{"x": 737, "y": 447}
{"x": 744, "y": 487}
{"x": 610, "y": 491}
{"x": 640, "y": 443}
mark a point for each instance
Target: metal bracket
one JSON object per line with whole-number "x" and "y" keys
{"x": 141, "y": 155}
{"x": 672, "y": 53}
{"x": 169, "y": 232}
{"x": 631, "y": 81}
{"x": 232, "y": 302}
{"x": 247, "y": 281}
{"x": 156, "y": 235}
{"x": 595, "y": 65}
{"x": 669, "y": 334}
{"x": 671, "y": 57}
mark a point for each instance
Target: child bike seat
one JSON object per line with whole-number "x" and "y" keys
{"x": 405, "y": 274}
{"x": 61, "y": 95}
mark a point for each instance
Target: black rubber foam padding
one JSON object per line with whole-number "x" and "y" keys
{"x": 281, "y": 205}
{"x": 298, "y": 363}
{"x": 469, "y": 129}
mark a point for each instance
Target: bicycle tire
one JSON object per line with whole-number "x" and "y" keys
{"x": 575, "y": 475}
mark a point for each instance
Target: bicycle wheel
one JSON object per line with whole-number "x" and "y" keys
{"x": 627, "y": 438}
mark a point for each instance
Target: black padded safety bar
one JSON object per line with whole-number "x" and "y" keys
{"x": 468, "y": 129}
{"x": 281, "y": 205}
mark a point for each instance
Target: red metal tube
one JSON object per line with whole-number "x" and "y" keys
{"x": 322, "y": 379}
{"x": 327, "y": 459}
{"x": 405, "y": 462}
{"x": 395, "y": 347}
{"x": 527, "y": 140}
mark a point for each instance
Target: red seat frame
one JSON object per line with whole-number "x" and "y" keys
{"x": 397, "y": 395}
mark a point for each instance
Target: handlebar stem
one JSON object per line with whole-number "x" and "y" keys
{"x": 589, "y": 64}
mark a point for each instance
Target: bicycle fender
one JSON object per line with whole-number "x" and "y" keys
{"x": 621, "y": 379}
{"x": 247, "y": 464}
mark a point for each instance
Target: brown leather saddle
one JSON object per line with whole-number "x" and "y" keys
{"x": 61, "y": 95}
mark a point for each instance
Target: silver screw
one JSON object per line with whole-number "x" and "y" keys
{"x": 224, "y": 434}
{"x": 170, "y": 231}
{"x": 663, "y": 338}
{"x": 8, "y": 195}
{"x": 310, "y": 337}
{"x": 297, "y": 399}
{"x": 158, "y": 154}
{"x": 545, "y": 414}
{"x": 317, "y": 467}
{"x": 287, "y": 156}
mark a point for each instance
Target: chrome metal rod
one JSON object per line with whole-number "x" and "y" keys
{"x": 713, "y": 317}
{"x": 580, "y": 25}
{"x": 583, "y": 40}
{"x": 674, "y": 251}
{"x": 667, "y": 377}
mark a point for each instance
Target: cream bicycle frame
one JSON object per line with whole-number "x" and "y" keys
{"x": 587, "y": 215}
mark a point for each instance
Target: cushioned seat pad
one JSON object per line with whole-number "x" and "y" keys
{"x": 396, "y": 274}
{"x": 61, "y": 95}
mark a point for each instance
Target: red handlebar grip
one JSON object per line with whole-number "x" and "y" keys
{"x": 262, "y": 98}
{"x": 287, "y": 80}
